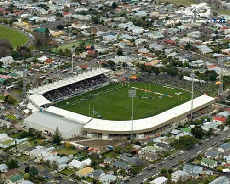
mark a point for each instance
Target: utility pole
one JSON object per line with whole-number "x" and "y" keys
{"x": 221, "y": 86}
{"x": 24, "y": 80}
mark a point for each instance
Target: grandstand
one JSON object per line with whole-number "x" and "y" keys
{"x": 48, "y": 118}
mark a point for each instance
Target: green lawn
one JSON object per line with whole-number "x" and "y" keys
{"x": 7, "y": 142}
{"x": 67, "y": 151}
{"x": 112, "y": 102}
{"x": 15, "y": 37}
{"x": 66, "y": 46}
{"x": 2, "y": 97}
{"x": 69, "y": 45}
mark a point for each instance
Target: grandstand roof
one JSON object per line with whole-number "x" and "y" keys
{"x": 50, "y": 122}
{"x": 69, "y": 115}
{"x": 38, "y": 100}
{"x": 65, "y": 82}
{"x": 150, "y": 123}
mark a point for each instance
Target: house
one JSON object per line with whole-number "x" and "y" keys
{"x": 159, "y": 180}
{"x": 219, "y": 119}
{"x": 3, "y": 168}
{"x": 208, "y": 163}
{"x": 85, "y": 171}
{"x": 179, "y": 175}
{"x": 26, "y": 182}
{"x": 80, "y": 164}
{"x": 221, "y": 180}
{"x": 227, "y": 158}
{"x": 130, "y": 160}
{"x": 96, "y": 174}
{"x": 120, "y": 165}
{"x": 224, "y": 147}
{"x": 192, "y": 170}
{"x": 7, "y": 60}
{"x": 212, "y": 154}
{"x": 12, "y": 176}
{"x": 204, "y": 49}
{"x": 107, "y": 178}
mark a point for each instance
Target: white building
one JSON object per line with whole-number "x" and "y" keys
{"x": 179, "y": 175}
{"x": 160, "y": 180}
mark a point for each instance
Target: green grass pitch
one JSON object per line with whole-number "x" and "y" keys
{"x": 112, "y": 102}
{"x": 15, "y": 37}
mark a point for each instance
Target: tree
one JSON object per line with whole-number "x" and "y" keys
{"x": 228, "y": 121}
{"x": 96, "y": 19}
{"x": 24, "y": 52}
{"x": 185, "y": 142}
{"x": 5, "y": 48}
{"x": 197, "y": 131}
{"x": 173, "y": 71}
{"x": 26, "y": 176}
{"x": 12, "y": 164}
{"x": 119, "y": 52}
{"x": 114, "y": 5}
{"x": 10, "y": 99}
{"x": 57, "y": 137}
{"x": 33, "y": 171}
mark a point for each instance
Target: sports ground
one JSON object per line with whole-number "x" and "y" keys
{"x": 15, "y": 37}
{"x": 113, "y": 103}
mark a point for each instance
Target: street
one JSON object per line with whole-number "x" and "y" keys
{"x": 186, "y": 156}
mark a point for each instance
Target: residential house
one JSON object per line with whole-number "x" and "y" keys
{"x": 12, "y": 176}
{"x": 224, "y": 147}
{"x": 159, "y": 180}
{"x": 193, "y": 170}
{"x": 120, "y": 165}
{"x": 221, "y": 180}
{"x": 208, "y": 163}
{"x": 25, "y": 182}
{"x": 96, "y": 174}
{"x": 212, "y": 154}
{"x": 7, "y": 60}
{"x": 3, "y": 168}
{"x": 80, "y": 164}
{"x": 85, "y": 171}
{"x": 219, "y": 119}
{"x": 179, "y": 175}
{"x": 107, "y": 178}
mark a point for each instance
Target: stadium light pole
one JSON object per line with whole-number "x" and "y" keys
{"x": 193, "y": 76}
{"x": 73, "y": 54}
{"x": 132, "y": 94}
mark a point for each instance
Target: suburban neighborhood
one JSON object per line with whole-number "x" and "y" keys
{"x": 121, "y": 91}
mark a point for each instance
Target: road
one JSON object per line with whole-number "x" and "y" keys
{"x": 186, "y": 156}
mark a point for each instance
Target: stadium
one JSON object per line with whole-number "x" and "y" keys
{"x": 95, "y": 104}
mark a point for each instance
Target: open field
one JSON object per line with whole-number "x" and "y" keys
{"x": 15, "y": 37}
{"x": 69, "y": 45}
{"x": 112, "y": 102}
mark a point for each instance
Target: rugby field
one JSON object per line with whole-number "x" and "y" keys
{"x": 112, "y": 102}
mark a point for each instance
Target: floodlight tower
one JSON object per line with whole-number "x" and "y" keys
{"x": 73, "y": 55}
{"x": 221, "y": 85}
{"x": 192, "y": 76}
{"x": 132, "y": 94}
